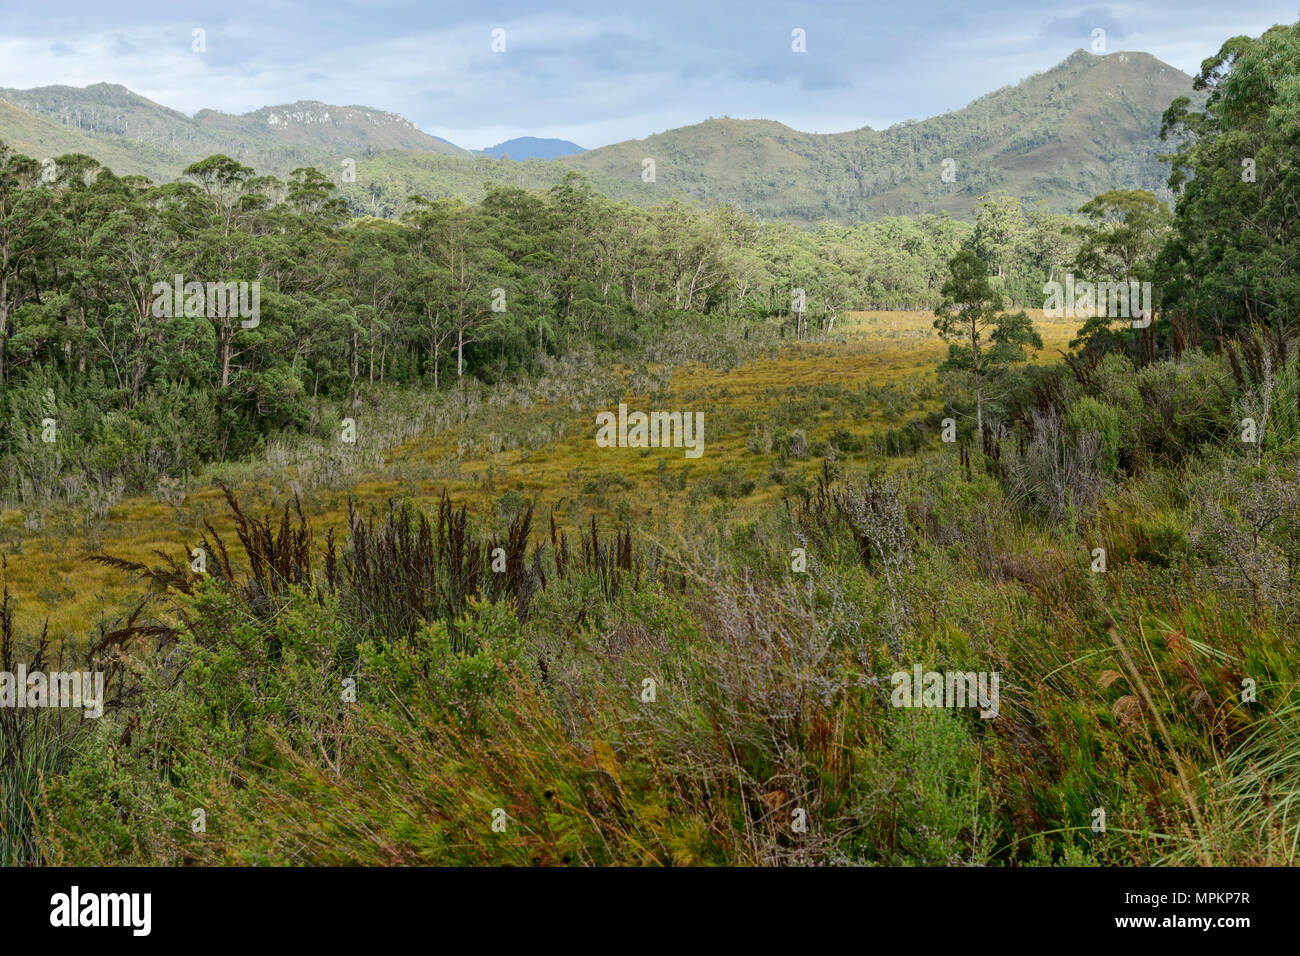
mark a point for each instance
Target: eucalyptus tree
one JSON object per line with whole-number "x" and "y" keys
{"x": 467, "y": 265}
{"x": 84, "y": 195}
{"x": 24, "y": 234}
{"x": 1119, "y": 240}
{"x": 1234, "y": 257}
{"x": 133, "y": 249}
{"x": 372, "y": 276}
{"x": 1000, "y": 230}
{"x": 983, "y": 341}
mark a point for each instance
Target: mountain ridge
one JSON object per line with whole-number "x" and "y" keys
{"x": 898, "y": 170}
{"x": 1088, "y": 124}
{"x": 532, "y": 147}
{"x": 274, "y": 138}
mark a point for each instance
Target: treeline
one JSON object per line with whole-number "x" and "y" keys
{"x": 490, "y": 288}
{"x": 93, "y": 346}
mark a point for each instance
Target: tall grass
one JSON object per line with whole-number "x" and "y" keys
{"x": 682, "y": 692}
{"x": 36, "y": 745}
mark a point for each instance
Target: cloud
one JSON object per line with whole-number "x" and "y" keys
{"x": 818, "y": 76}
{"x": 597, "y": 71}
{"x": 1080, "y": 27}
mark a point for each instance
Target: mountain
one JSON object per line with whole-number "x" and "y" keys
{"x": 36, "y": 137}
{"x": 530, "y": 147}
{"x": 161, "y": 142}
{"x": 308, "y": 124}
{"x": 1089, "y": 124}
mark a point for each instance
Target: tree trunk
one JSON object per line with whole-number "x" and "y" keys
{"x": 225, "y": 356}
{"x": 4, "y": 324}
{"x": 979, "y": 391}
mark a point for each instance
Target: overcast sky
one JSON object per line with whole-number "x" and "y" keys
{"x": 596, "y": 72}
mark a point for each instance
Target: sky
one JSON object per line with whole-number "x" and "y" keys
{"x": 596, "y": 72}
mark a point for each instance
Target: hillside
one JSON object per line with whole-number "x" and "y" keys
{"x": 25, "y": 133}
{"x": 1088, "y": 124}
{"x": 141, "y": 136}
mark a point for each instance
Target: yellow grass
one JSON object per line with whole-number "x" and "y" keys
{"x": 50, "y": 580}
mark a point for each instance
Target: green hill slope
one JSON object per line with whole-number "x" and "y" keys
{"x": 36, "y": 137}
{"x": 144, "y": 137}
{"x": 1089, "y": 124}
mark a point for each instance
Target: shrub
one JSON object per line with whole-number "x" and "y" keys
{"x": 1183, "y": 405}
{"x": 1057, "y": 476}
{"x": 1087, "y": 415}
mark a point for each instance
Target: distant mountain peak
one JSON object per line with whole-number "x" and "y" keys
{"x": 314, "y": 111}
{"x": 1087, "y": 124}
{"x": 532, "y": 147}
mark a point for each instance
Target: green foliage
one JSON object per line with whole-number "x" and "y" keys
{"x": 1088, "y": 415}
{"x": 939, "y": 810}
{"x": 983, "y": 342}
{"x": 145, "y": 392}
{"x": 670, "y": 695}
{"x": 1119, "y": 241}
{"x": 1231, "y": 259}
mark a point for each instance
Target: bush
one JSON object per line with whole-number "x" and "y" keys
{"x": 1088, "y": 415}
{"x": 1183, "y": 406}
{"x": 926, "y": 796}
{"x": 1058, "y": 476}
